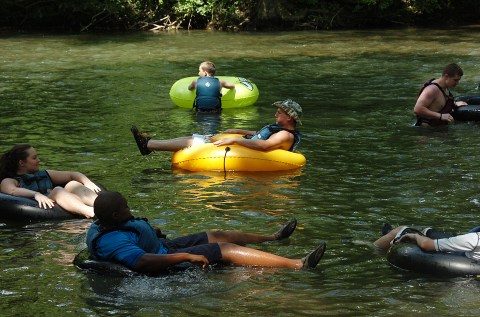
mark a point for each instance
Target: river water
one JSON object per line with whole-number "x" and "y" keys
{"x": 74, "y": 97}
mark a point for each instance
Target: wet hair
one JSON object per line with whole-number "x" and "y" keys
{"x": 452, "y": 70}
{"x": 9, "y": 160}
{"x": 106, "y": 204}
{"x": 209, "y": 67}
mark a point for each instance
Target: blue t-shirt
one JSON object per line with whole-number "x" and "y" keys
{"x": 125, "y": 246}
{"x": 122, "y": 246}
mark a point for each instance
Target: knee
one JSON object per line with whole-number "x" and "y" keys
{"x": 214, "y": 236}
{"x": 56, "y": 191}
{"x": 72, "y": 185}
{"x": 226, "y": 246}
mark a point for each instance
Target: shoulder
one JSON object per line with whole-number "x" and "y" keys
{"x": 9, "y": 181}
{"x": 43, "y": 173}
{"x": 282, "y": 135}
{"x": 430, "y": 89}
{"x": 429, "y": 94}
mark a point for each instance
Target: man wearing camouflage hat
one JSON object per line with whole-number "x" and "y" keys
{"x": 281, "y": 135}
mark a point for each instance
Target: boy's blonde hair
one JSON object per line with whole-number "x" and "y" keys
{"x": 208, "y": 67}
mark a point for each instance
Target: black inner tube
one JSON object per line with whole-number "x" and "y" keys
{"x": 470, "y": 112}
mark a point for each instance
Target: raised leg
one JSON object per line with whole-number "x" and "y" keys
{"x": 247, "y": 238}
{"x": 71, "y": 202}
{"x": 84, "y": 193}
{"x": 172, "y": 145}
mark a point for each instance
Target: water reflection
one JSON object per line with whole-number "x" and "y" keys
{"x": 252, "y": 193}
{"x": 208, "y": 123}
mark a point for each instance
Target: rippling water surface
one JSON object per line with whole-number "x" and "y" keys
{"x": 75, "y": 97}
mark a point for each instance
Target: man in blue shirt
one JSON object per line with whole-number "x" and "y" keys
{"x": 118, "y": 237}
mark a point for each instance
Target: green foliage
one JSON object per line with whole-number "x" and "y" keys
{"x": 415, "y": 6}
{"x": 425, "y": 6}
{"x": 233, "y": 14}
{"x": 219, "y": 14}
{"x": 382, "y": 4}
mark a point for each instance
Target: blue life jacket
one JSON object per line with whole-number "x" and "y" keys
{"x": 208, "y": 94}
{"x": 269, "y": 130}
{"x": 147, "y": 241}
{"x": 40, "y": 181}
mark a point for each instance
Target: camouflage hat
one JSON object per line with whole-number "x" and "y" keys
{"x": 292, "y": 108}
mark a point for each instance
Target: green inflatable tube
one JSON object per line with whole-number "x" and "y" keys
{"x": 245, "y": 93}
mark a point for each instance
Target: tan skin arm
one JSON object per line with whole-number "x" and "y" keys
{"x": 227, "y": 85}
{"x": 10, "y": 186}
{"x": 193, "y": 85}
{"x": 425, "y": 243}
{"x": 424, "y": 101}
{"x": 426, "y": 98}
{"x": 280, "y": 140}
{"x": 151, "y": 263}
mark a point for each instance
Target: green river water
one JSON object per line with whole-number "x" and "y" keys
{"x": 74, "y": 97}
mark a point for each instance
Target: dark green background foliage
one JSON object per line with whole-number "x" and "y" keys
{"x": 234, "y": 14}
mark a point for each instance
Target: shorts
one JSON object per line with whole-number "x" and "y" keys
{"x": 194, "y": 244}
{"x": 200, "y": 139}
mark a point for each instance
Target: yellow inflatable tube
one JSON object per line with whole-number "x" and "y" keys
{"x": 245, "y": 93}
{"x": 209, "y": 157}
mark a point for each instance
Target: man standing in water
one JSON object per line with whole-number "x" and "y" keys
{"x": 435, "y": 101}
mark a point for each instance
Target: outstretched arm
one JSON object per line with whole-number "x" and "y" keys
{"x": 156, "y": 263}
{"x": 227, "y": 84}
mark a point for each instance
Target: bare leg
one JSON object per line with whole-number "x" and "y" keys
{"x": 246, "y": 238}
{"x": 384, "y": 241}
{"x": 237, "y": 237}
{"x": 71, "y": 202}
{"x": 146, "y": 145}
{"x": 243, "y": 256}
{"x": 170, "y": 145}
{"x": 84, "y": 193}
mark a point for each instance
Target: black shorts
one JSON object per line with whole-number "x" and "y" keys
{"x": 194, "y": 244}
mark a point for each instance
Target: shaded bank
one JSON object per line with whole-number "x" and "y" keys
{"x": 94, "y": 15}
